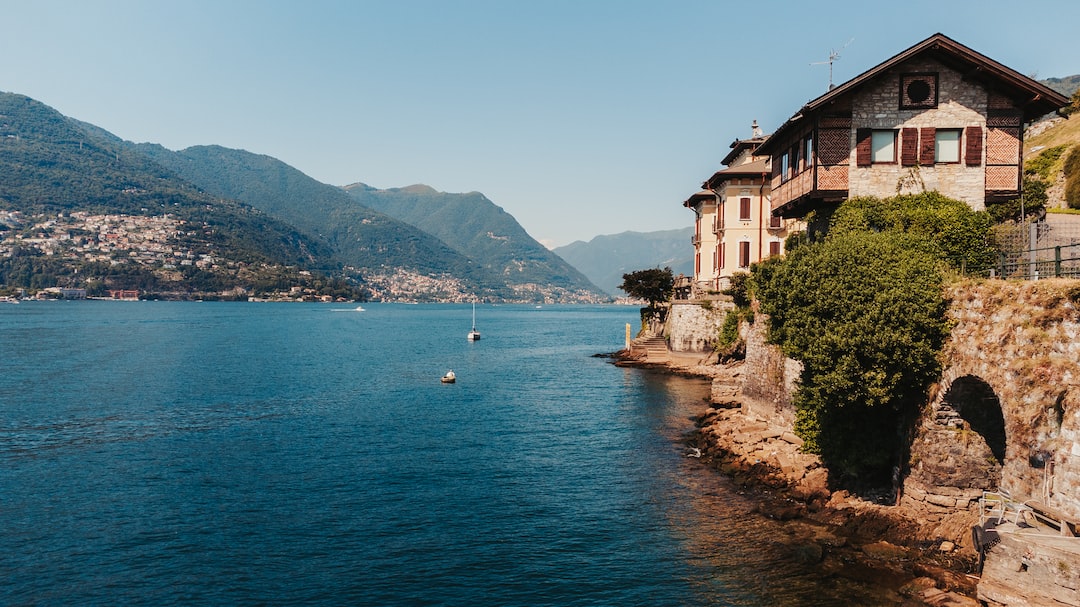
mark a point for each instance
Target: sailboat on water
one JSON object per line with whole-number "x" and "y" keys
{"x": 474, "y": 335}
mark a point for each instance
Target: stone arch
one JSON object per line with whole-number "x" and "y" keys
{"x": 979, "y": 407}
{"x": 961, "y": 441}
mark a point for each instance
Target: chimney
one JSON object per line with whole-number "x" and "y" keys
{"x": 755, "y": 130}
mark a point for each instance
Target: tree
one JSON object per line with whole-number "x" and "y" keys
{"x": 653, "y": 285}
{"x": 864, "y": 312}
{"x": 1074, "y": 105}
{"x": 960, "y": 234}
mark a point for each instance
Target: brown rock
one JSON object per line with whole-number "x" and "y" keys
{"x": 917, "y": 586}
{"x": 884, "y": 551}
{"x": 791, "y": 438}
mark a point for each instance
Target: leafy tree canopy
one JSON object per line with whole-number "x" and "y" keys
{"x": 653, "y": 285}
{"x": 863, "y": 310}
{"x": 960, "y": 234}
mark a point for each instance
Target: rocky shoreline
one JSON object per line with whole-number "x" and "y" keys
{"x": 864, "y": 539}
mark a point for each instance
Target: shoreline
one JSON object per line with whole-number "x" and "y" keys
{"x": 844, "y": 536}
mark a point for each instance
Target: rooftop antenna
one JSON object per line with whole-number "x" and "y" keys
{"x": 833, "y": 56}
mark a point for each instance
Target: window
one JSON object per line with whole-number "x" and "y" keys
{"x": 774, "y": 248}
{"x": 720, "y": 255}
{"x": 784, "y": 176}
{"x": 883, "y": 147}
{"x": 809, "y": 151}
{"x": 714, "y": 266}
{"x": 775, "y": 222}
{"x": 744, "y": 254}
{"x": 794, "y": 162}
{"x": 744, "y": 209}
{"x": 947, "y": 145}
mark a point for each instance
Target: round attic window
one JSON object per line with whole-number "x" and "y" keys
{"x": 918, "y": 91}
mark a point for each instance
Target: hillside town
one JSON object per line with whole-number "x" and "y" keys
{"x": 164, "y": 248}
{"x": 149, "y": 241}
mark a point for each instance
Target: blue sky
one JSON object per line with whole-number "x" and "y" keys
{"x": 577, "y": 117}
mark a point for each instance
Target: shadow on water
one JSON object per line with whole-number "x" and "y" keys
{"x": 734, "y": 554}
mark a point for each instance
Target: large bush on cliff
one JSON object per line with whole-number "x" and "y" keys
{"x": 961, "y": 235}
{"x": 863, "y": 310}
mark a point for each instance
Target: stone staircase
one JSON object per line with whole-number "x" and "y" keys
{"x": 655, "y": 349}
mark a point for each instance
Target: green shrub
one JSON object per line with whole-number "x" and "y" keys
{"x": 739, "y": 289}
{"x": 864, "y": 311}
{"x": 729, "y": 331}
{"x": 1072, "y": 179}
{"x": 961, "y": 234}
{"x": 1043, "y": 164}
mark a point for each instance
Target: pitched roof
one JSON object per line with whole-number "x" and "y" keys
{"x": 738, "y": 146}
{"x": 757, "y": 168}
{"x": 1039, "y": 99}
{"x": 701, "y": 196}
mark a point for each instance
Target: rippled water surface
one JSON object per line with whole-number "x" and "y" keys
{"x": 299, "y": 454}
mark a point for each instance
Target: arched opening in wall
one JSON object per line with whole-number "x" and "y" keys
{"x": 977, "y": 405}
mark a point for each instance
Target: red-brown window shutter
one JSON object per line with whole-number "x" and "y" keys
{"x": 926, "y": 145}
{"x": 863, "y": 149}
{"x": 974, "y": 150}
{"x": 909, "y": 146}
{"x": 744, "y": 208}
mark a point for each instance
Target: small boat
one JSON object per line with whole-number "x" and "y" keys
{"x": 474, "y": 335}
{"x": 449, "y": 378}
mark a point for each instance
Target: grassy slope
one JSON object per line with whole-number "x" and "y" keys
{"x": 1065, "y": 132}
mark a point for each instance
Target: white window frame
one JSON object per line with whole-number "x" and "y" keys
{"x": 947, "y": 146}
{"x": 883, "y": 146}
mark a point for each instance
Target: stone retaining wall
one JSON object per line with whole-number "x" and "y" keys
{"x": 770, "y": 378}
{"x": 693, "y": 326}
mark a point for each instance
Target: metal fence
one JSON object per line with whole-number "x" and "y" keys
{"x": 1034, "y": 250}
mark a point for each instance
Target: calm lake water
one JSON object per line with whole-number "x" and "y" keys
{"x": 157, "y": 453}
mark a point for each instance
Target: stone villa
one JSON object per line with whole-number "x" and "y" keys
{"x": 937, "y": 116}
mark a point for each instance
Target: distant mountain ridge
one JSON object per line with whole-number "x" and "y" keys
{"x": 361, "y": 238}
{"x": 605, "y": 259}
{"x": 476, "y": 227}
{"x": 394, "y": 254}
{"x": 54, "y": 166}
{"x": 252, "y": 222}
{"x": 1066, "y": 86}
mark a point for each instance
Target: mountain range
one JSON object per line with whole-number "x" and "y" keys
{"x": 254, "y": 212}
{"x": 605, "y": 259}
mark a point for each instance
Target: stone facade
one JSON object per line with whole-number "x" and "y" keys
{"x": 962, "y": 104}
{"x": 693, "y": 327}
{"x": 1023, "y": 341}
{"x": 935, "y": 117}
{"x": 770, "y": 378}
